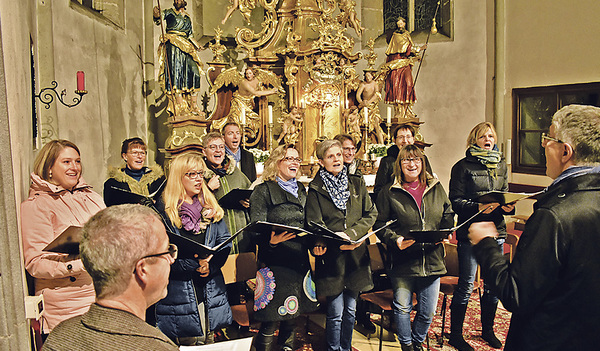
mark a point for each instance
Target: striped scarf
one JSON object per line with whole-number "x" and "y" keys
{"x": 489, "y": 158}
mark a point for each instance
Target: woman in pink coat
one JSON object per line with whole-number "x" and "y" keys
{"x": 58, "y": 198}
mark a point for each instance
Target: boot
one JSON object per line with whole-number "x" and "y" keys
{"x": 417, "y": 346}
{"x": 287, "y": 335}
{"x": 408, "y": 347}
{"x": 263, "y": 342}
{"x": 457, "y": 318}
{"x": 488, "y": 313}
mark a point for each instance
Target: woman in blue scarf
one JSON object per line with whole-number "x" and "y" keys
{"x": 481, "y": 171}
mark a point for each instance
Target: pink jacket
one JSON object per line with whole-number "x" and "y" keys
{"x": 67, "y": 288}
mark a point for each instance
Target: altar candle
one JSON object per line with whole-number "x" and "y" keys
{"x": 508, "y": 152}
{"x": 302, "y": 103}
{"x": 244, "y": 116}
{"x": 270, "y": 108}
{"x": 80, "y": 81}
{"x": 389, "y": 114}
{"x": 366, "y": 111}
{"x": 347, "y": 103}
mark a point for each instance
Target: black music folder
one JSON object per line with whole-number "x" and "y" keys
{"x": 231, "y": 200}
{"x": 435, "y": 236}
{"x": 504, "y": 197}
{"x": 66, "y": 242}
{"x": 326, "y": 233}
{"x": 130, "y": 197}
{"x": 263, "y": 227}
{"x": 188, "y": 246}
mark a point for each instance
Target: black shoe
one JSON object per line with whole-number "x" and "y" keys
{"x": 459, "y": 343}
{"x": 491, "y": 339}
{"x": 408, "y": 347}
{"x": 417, "y": 346}
{"x": 368, "y": 326}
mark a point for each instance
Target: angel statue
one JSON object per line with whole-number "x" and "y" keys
{"x": 245, "y": 7}
{"x": 180, "y": 64}
{"x": 252, "y": 84}
{"x": 347, "y": 16}
{"x": 368, "y": 96}
{"x": 352, "y": 122}
{"x": 291, "y": 126}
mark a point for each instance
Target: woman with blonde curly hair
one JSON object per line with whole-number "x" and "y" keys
{"x": 288, "y": 289}
{"x": 193, "y": 212}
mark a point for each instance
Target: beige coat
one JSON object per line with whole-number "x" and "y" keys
{"x": 50, "y": 209}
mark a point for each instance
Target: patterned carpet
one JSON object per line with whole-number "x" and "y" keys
{"x": 311, "y": 335}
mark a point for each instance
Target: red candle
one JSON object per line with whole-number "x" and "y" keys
{"x": 80, "y": 81}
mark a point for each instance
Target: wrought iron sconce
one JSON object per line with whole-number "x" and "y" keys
{"x": 46, "y": 95}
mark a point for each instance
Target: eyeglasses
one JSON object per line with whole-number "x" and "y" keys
{"x": 216, "y": 147}
{"x": 292, "y": 159}
{"x": 349, "y": 149}
{"x": 406, "y": 161}
{"x": 546, "y": 138}
{"x": 137, "y": 153}
{"x": 172, "y": 251}
{"x": 194, "y": 174}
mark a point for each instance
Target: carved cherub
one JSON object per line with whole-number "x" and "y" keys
{"x": 245, "y": 7}
{"x": 291, "y": 126}
{"x": 252, "y": 84}
{"x": 352, "y": 122}
{"x": 347, "y": 16}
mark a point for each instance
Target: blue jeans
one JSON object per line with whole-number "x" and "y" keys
{"x": 341, "y": 313}
{"x": 427, "y": 290}
{"x": 467, "y": 269}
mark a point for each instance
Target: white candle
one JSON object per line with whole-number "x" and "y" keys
{"x": 312, "y": 160}
{"x": 302, "y": 103}
{"x": 346, "y": 104}
{"x": 508, "y": 152}
{"x": 270, "y": 114}
{"x": 243, "y": 116}
{"x": 366, "y": 111}
{"x": 389, "y": 114}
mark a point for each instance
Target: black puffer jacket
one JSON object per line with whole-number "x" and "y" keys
{"x": 418, "y": 260}
{"x": 552, "y": 286}
{"x": 470, "y": 179}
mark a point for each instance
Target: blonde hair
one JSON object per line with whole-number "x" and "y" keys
{"x": 174, "y": 191}
{"x": 47, "y": 156}
{"x": 478, "y": 131}
{"x": 272, "y": 163}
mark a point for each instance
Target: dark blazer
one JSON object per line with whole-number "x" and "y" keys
{"x": 247, "y": 164}
{"x": 103, "y": 328}
{"x": 337, "y": 270}
{"x": 553, "y": 283}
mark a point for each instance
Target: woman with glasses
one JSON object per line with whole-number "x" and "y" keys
{"x": 193, "y": 211}
{"x": 481, "y": 171}
{"x": 223, "y": 175}
{"x": 135, "y": 177}
{"x": 419, "y": 202}
{"x": 58, "y": 199}
{"x": 340, "y": 202}
{"x": 287, "y": 286}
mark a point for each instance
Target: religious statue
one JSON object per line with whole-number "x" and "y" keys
{"x": 252, "y": 84}
{"x": 291, "y": 126}
{"x": 352, "y": 122}
{"x": 397, "y": 71}
{"x": 180, "y": 64}
{"x": 245, "y": 7}
{"x": 347, "y": 16}
{"x": 368, "y": 96}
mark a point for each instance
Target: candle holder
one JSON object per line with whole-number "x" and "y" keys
{"x": 46, "y": 96}
{"x": 389, "y": 135}
{"x": 271, "y": 136}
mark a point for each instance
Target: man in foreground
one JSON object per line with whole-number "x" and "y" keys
{"x": 552, "y": 286}
{"x": 126, "y": 251}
